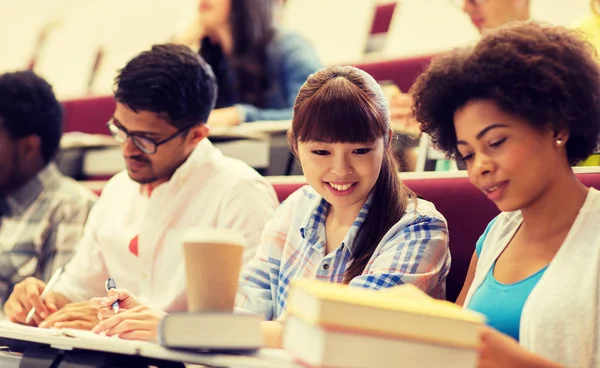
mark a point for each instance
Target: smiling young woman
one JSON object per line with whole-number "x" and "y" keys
{"x": 519, "y": 109}
{"x": 355, "y": 222}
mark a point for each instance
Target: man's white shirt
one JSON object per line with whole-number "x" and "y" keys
{"x": 209, "y": 190}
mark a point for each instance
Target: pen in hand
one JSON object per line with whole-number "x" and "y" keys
{"x": 47, "y": 289}
{"x": 111, "y": 284}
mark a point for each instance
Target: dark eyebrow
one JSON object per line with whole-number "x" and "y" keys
{"x": 151, "y": 134}
{"x": 483, "y": 132}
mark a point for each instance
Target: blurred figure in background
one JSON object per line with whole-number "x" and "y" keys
{"x": 489, "y": 14}
{"x": 404, "y": 125}
{"x": 259, "y": 67}
{"x": 590, "y": 26}
{"x": 42, "y": 212}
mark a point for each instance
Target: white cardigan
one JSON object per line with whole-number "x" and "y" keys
{"x": 561, "y": 317}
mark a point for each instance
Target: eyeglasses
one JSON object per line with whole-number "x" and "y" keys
{"x": 145, "y": 144}
{"x": 461, "y": 3}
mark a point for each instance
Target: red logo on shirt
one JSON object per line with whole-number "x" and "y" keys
{"x": 133, "y": 246}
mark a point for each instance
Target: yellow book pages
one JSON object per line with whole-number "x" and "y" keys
{"x": 405, "y": 298}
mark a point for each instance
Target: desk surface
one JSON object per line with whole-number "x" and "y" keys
{"x": 78, "y": 341}
{"x": 266, "y": 358}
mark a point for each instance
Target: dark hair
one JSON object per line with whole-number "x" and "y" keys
{"x": 28, "y": 107}
{"x": 345, "y": 104}
{"x": 251, "y": 23}
{"x": 168, "y": 79}
{"x": 547, "y": 75}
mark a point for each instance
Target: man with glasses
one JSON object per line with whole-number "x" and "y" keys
{"x": 174, "y": 179}
{"x": 42, "y": 212}
{"x": 489, "y": 14}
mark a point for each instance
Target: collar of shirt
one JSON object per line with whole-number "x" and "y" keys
{"x": 23, "y": 197}
{"x": 315, "y": 223}
{"x": 203, "y": 153}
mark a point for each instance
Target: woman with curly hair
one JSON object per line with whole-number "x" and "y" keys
{"x": 519, "y": 108}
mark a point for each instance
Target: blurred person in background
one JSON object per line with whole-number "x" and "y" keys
{"x": 489, "y": 14}
{"x": 590, "y": 26}
{"x": 42, "y": 212}
{"x": 259, "y": 67}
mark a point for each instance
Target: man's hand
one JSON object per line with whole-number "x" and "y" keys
{"x": 80, "y": 316}
{"x": 139, "y": 323}
{"x": 26, "y": 295}
{"x": 126, "y": 301}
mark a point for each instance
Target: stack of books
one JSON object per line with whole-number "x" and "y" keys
{"x": 334, "y": 325}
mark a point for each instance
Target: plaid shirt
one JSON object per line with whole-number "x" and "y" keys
{"x": 40, "y": 224}
{"x": 415, "y": 250}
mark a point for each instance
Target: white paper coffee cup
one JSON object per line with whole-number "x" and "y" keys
{"x": 213, "y": 261}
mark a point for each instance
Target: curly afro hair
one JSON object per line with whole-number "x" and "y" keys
{"x": 547, "y": 75}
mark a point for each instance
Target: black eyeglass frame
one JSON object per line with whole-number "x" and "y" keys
{"x": 135, "y": 137}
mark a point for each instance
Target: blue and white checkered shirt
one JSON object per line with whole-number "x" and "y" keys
{"x": 293, "y": 245}
{"x": 40, "y": 226}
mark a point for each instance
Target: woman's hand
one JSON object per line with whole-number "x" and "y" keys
{"x": 501, "y": 351}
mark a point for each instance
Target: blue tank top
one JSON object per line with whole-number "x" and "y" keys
{"x": 502, "y": 304}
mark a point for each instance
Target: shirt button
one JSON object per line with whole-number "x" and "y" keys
{"x": 326, "y": 266}
{"x": 144, "y": 276}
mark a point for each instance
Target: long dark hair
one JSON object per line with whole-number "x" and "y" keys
{"x": 345, "y": 104}
{"x": 252, "y": 29}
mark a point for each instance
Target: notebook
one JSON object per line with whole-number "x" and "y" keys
{"x": 67, "y": 339}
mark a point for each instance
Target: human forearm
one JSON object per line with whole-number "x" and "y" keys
{"x": 536, "y": 361}
{"x": 272, "y": 332}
